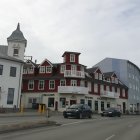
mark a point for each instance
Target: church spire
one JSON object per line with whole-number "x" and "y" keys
{"x": 18, "y": 26}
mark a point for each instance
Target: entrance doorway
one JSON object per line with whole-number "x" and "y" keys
{"x": 124, "y": 107}
{"x": 72, "y": 102}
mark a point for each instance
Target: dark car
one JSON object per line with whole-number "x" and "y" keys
{"x": 111, "y": 112}
{"x": 78, "y": 111}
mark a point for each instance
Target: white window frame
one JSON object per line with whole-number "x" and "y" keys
{"x": 73, "y": 82}
{"x": 62, "y": 82}
{"x": 62, "y": 68}
{"x": 48, "y": 69}
{"x": 42, "y": 69}
{"x": 31, "y": 70}
{"x": 31, "y": 82}
{"x": 101, "y": 88}
{"x": 96, "y": 75}
{"x": 100, "y": 76}
{"x": 16, "y": 54}
{"x": 96, "y": 88}
{"x": 123, "y": 92}
{"x": 41, "y": 84}
{"x": 107, "y": 88}
{"x": 51, "y": 84}
{"x": 89, "y": 86}
{"x": 72, "y": 57}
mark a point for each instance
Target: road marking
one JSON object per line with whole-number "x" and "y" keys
{"x": 72, "y": 123}
{"x": 110, "y": 137}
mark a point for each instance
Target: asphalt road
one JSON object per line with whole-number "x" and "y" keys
{"x": 124, "y": 128}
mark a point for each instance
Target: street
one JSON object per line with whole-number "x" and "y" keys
{"x": 101, "y": 128}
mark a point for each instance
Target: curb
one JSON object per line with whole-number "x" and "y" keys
{"x": 26, "y": 125}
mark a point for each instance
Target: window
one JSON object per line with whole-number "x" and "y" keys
{"x": 32, "y": 100}
{"x": 100, "y": 76}
{"x": 41, "y": 85}
{"x": 1, "y": 69}
{"x": 89, "y": 86}
{"x": 10, "y": 96}
{"x": 63, "y": 102}
{"x": 82, "y": 101}
{"x": 31, "y": 85}
{"x": 64, "y": 59}
{"x": 90, "y": 103}
{"x": 51, "y": 84}
{"x": 42, "y": 69}
{"x": 73, "y": 83}
{"x": 82, "y": 83}
{"x": 24, "y": 70}
{"x": 72, "y": 58}
{"x": 13, "y": 71}
{"x": 62, "y": 82}
{"x": 113, "y": 89}
{"x": 63, "y": 68}
{"x": 107, "y": 88}
{"x": 102, "y": 106}
{"x": 96, "y": 88}
{"x": 50, "y": 102}
{"x": 101, "y": 88}
{"x": 48, "y": 69}
{"x": 15, "y": 52}
{"x": 123, "y": 92}
{"x": 31, "y": 70}
{"x": 96, "y": 75}
{"x": 96, "y": 105}
{"x": 118, "y": 91}
{"x": 108, "y": 105}
{"x": 73, "y": 67}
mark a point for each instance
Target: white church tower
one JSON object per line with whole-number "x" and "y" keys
{"x": 16, "y": 44}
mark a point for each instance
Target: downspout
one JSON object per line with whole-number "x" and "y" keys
{"x": 19, "y": 87}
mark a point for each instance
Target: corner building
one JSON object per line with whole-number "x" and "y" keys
{"x": 60, "y": 85}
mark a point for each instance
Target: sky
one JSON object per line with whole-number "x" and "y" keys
{"x": 95, "y": 28}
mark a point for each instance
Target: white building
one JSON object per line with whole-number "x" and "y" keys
{"x": 11, "y": 65}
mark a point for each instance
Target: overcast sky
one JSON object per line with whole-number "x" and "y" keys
{"x": 95, "y": 28}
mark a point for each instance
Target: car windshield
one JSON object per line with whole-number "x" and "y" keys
{"x": 75, "y": 106}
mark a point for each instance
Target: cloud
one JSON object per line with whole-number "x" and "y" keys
{"x": 97, "y": 29}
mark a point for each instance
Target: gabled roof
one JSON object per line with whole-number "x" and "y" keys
{"x": 17, "y": 35}
{"x": 93, "y": 70}
{"x": 29, "y": 63}
{"x": 70, "y": 53}
{"x": 109, "y": 74}
{"x": 47, "y": 61}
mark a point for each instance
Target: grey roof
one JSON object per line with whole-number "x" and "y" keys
{"x": 92, "y": 70}
{"x": 6, "y": 57}
{"x": 3, "y": 49}
{"x": 17, "y": 35}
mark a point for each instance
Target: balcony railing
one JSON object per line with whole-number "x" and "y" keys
{"x": 73, "y": 73}
{"x": 73, "y": 89}
{"x": 109, "y": 94}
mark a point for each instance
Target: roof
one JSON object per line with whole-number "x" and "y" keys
{"x": 3, "y": 49}
{"x": 17, "y": 35}
{"x": 6, "y": 57}
{"x": 92, "y": 70}
{"x": 108, "y": 74}
{"x": 70, "y": 53}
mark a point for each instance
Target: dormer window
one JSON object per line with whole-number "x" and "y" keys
{"x": 48, "y": 69}
{"x": 72, "y": 58}
{"x": 16, "y": 52}
{"x": 42, "y": 69}
{"x": 96, "y": 75}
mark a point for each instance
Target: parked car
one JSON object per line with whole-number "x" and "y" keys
{"x": 111, "y": 112}
{"x": 78, "y": 111}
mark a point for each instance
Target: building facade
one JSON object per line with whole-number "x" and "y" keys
{"x": 11, "y": 65}
{"x": 63, "y": 84}
{"x": 129, "y": 74}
